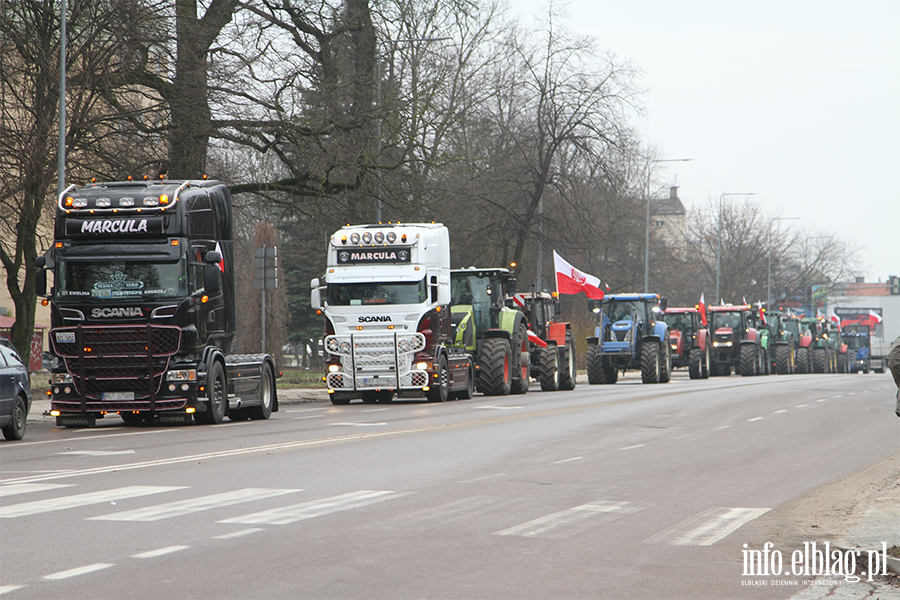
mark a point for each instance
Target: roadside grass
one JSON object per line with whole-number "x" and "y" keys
{"x": 292, "y": 377}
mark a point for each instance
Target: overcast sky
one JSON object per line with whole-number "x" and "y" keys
{"x": 796, "y": 101}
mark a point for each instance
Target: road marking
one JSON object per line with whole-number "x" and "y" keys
{"x": 300, "y": 410}
{"x": 754, "y": 419}
{"x": 309, "y": 417}
{"x": 160, "y": 552}
{"x": 79, "y": 571}
{"x": 838, "y": 396}
{"x": 821, "y": 400}
{"x": 237, "y": 534}
{"x": 778, "y": 412}
{"x": 88, "y": 430}
{"x": 316, "y": 508}
{"x": 801, "y": 406}
{"x": 361, "y": 424}
{"x": 491, "y": 406}
{"x": 565, "y": 460}
{"x": 27, "y": 488}
{"x": 442, "y": 515}
{"x": 722, "y": 427}
{"x": 633, "y": 447}
{"x": 375, "y": 410}
{"x": 852, "y": 394}
{"x": 98, "y": 452}
{"x": 569, "y": 522}
{"x": 53, "y": 504}
{"x": 5, "y": 589}
{"x": 707, "y": 527}
{"x": 192, "y": 505}
{"x": 94, "y": 437}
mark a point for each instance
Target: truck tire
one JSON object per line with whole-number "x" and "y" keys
{"x": 665, "y": 366}
{"x": 549, "y": 369}
{"x": 803, "y": 365}
{"x": 782, "y": 359}
{"x": 440, "y": 390}
{"x": 19, "y": 420}
{"x": 842, "y": 363}
{"x": 567, "y": 362}
{"x": 470, "y": 386}
{"x": 266, "y": 396}
{"x": 522, "y": 379}
{"x": 820, "y": 360}
{"x": 494, "y": 374}
{"x": 650, "y": 362}
{"x": 695, "y": 360}
{"x": 218, "y": 396}
{"x": 749, "y": 360}
{"x": 594, "y": 365}
{"x": 338, "y": 401}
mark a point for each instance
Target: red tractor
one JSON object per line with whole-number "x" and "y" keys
{"x": 551, "y": 343}
{"x": 688, "y": 341}
{"x": 736, "y": 343}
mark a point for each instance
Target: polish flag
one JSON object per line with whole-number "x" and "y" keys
{"x": 762, "y": 313}
{"x": 835, "y": 319}
{"x": 876, "y": 316}
{"x": 222, "y": 254}
{"x": 570, "y": 280}
{"x": 702, "y": 308}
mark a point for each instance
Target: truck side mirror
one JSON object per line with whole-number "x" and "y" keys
{"x": 443, "y": 290}
{"x": 511, "y": 284}
{"x": 315, "y": 294}
{"x": 212, "y": 278}
{"x": 663, "y": 303}
{"x": 40, "y": 282}
{"x": 557, "y": 308}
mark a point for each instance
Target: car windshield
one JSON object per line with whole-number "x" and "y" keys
{"x": 117, "y": 279}
{"x": 725, "y": 319}
{"x": 620, "y": 310}
{"x": 377, "y": 292}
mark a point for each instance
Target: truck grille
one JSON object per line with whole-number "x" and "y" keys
{"x": 376, "y": 361}
{"x": 120, "y": 358}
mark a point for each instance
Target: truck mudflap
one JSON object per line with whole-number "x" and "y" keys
{"x": 376, "y": 361}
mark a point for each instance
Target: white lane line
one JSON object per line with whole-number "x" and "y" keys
{"x": 192, "y": 505}
{"x": 722, "y": 427}
{"x": 237, "y": 534}
{"x": 565, "y": 460}
{"x": 95, "y": 437}
{"x": 633, "y": 447}
{"x": 88, "y": 430}
{"x": 27, "y": 488}
{"x": 754, "y": 419}
{"x": 308, "y": 417}
{"x": 838, "y": 396}
{"x": 5, "y": 589}
{"x": 43, "y": 506}
{"x": 98, "y": 452}
{"x": 852, "y": 394}
{"x": 572, "y": 521}
{"x": 778, "y": 412}
{"x": 822, "y": 400}
{"x": 316, "y": 508}
{"x": 361, "y": 424}
{"x": 79, "y": 571}
{"x": 801, "y": 406}
{"x": 160, "y": 552}
{"x": 707, "y": 527}
{"x": 375, "y": 410}
{"x": 492, "y": 407}
{"x": 300, "y": 410}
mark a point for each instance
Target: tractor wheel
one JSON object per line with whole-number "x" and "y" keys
{"x": 695, "y": 359}
{"x": 594, "y": 365}
{"x": 782, "y": 359}
{"x": 748, "y": 360}
{"x": 820, "y": 360}
{"x": 567, "y": 362}
{"x": 549, "y": 369}
{"x": 705, "y": 366}
{"x": 842, "y": 363}
{"x": 665, "y": 366}
{"x": 522, "y": 373}
{"x": 650, "y": 367}
{"x": 494, "y": 369}
{"x": 803, "y": 365}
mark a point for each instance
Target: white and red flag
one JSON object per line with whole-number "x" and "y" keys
{"x": 835, "y": 319}
{"x": 702, "y": 308}
{"x": 570, "y": 280}
{"x": 222, "y": 254}
{"x": 875, "y": 315}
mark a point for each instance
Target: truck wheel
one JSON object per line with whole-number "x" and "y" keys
{"x": 338, "y": 401}
{"x": 470, "y": 385}
{"x": 522, "y": 381}
{"x": 218, "y": 397}
{"x": 494, "y": 375}
{"x": 695, "y": 358}
{"x": 267, "y": 396}
{"x": 594, "y": 365}
{"x": 803, "y": 360}
{"x": 567, "y": 362}
{"x": 782, "y": 359}
{"x": 440, "y": 390}
{"x": 665, "y": 363}
{"x": 748, "y": 360}
{"x": 820, "y": 360}
{"x": 650, "y": 363}
{"x": 549, "y": 369}
{"x": 16, "y": 428}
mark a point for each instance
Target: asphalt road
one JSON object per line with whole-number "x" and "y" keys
{"x": 624, "y": 491}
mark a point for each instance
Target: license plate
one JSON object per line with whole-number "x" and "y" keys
{"x": 118, "y": 395}
{"x": 375, "y": 382}
{"x": 65, "y": 337}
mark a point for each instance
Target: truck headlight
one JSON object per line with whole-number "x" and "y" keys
{"x": 182, "y": 375}
{"x": 422, "y": 366}
{"x": 61, "y": 378}
{"x": 334, "y": 368}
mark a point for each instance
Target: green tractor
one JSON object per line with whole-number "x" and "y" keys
{"x": 820, "y": 356}
{"x": 552, "y": 343}
{"x": 784, "y": 336}
{"x": 494, "y": 334}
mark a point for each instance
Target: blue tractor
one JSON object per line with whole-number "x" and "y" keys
{"x": 630, "y": 335}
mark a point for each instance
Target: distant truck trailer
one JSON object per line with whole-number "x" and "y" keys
{"x": 883, "y": 323}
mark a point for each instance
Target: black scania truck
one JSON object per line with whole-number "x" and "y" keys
{"x": 142, "y": 307}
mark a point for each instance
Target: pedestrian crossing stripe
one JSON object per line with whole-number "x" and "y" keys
{"x": 707, "y": 527}
{"x": 29, "y": 488}
{"x": 575, "y": 520}
{"x": 315, "y": 508}
{"x": 193, "y": 505}
{"x": 78, "y": 500}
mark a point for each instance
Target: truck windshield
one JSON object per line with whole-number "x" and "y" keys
{"x": 725, "y": 319}
{"x": 377, "y": 292}
{"x": 116, "y": 279}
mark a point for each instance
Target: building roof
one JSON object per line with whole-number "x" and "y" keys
{"x": 668, "y": 206}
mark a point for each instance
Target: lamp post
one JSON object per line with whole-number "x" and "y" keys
{"x": 647, "y": 234}
{"x": 378, "y": 109}
{"x": 719, "y": 240}
{"x": 769, "y": 284}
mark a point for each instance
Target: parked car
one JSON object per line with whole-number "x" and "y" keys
{"x": 15, "y": 394}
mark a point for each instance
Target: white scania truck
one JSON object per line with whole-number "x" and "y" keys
{"x": 385, "y": 298}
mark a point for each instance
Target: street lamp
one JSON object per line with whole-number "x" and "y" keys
{"x": 647, "y": 236}
{"x": 719, "y": 240}
{"x": 378, "y": 108}
{"x": 769, "y": 285}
